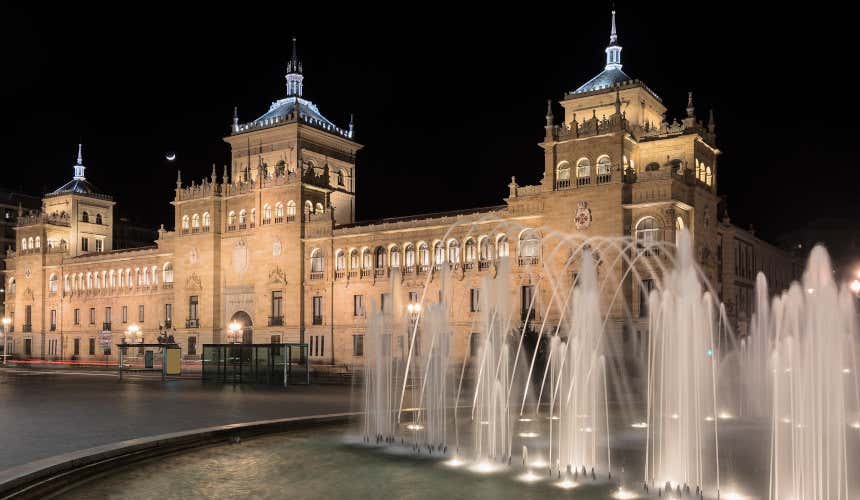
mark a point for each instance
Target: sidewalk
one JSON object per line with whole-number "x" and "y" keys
{"x": 47, "y": 411}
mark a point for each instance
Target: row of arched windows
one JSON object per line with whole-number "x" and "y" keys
{"x": 113, "y": 279}
{"x": 31, "y": 243}
{"x": 481, "y": 249}
{"x": 248, "y": 218}
{"x": 703, "y": 173}
{"x": 85, "y": 217}
{"x": 583, "y": 170}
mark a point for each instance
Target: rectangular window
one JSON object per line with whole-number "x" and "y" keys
{"x": 106, "y": 351}
{"x": 527, "y": 308}
{"x": 85, "y": 244}
{"x": 322, "y": 345}
{"x": 474, "y": 344}
{"x": 140, "y": 313}
{"x": 125, "y": 314}
{"x": 99, "y": 245}
{"x": 413, "y": 297}
{"x": 644, "y": 291}
{"x": 276, "y": 345}
{"x": 317, "y": 310}
{"x": 384, "y": 301}
{"x": 77, "y": 316}
{"x": 311, "y": 346}
{"x": 475, "y": 299}
{"x": 358, "y": 305}
{"x": 107, "y": 315}
{"x": 77, "y": 347}
{"x": 168, "y": 315}
{"x": 192, "y": 307}
{"x": 92, "y": 350}
{"x": 53, "y": 319}
{"x": 92, "y": 315}
{"x": 192, "y": 346}
{"x": 28, "y": 315}
{"x": 358, "y": 345}
{"x": 278, "y": 306}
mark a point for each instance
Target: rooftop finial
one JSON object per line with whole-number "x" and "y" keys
{"x": 712, "y": 124}
{"x": 351, "y": 125}
{"x": 617, "y": 99}
{"x": 79, "y": 166}
{"x": 613, "y": 51}
{"x": 179, "y": 179}
{"x": 294, "y": 74}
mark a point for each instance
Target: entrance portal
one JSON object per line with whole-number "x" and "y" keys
{"x": 244, "y": 319}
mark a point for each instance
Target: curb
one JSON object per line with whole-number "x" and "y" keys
{"x": 49, "y": 475}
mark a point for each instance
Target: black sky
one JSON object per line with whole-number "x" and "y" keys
{"x": 448, "y": 103}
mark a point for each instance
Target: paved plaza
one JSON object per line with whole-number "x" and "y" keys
{"x": 47, "y": 412}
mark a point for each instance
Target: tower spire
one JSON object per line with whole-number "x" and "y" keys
{"x": 613, "y": 51}
{"x": 294, "y": 74}
{"x": 79, "y": 166}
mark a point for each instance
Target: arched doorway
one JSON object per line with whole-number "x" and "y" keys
{"x": 244, "y": 319}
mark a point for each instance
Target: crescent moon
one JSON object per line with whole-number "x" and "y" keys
{"x": 171, "y": 156}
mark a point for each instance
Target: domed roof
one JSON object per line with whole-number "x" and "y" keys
{"x": 77, "y": 186}
{"x": 605, "y": 79}
{"x": 307, "y": 110}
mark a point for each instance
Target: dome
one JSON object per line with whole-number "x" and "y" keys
{"x": 605, "y": 79}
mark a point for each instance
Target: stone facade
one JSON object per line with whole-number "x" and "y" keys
{"x": 273, "y": 242}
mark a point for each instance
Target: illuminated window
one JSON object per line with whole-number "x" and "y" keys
{"x": 583, "y": 168}
{"x": 562, "y": 171}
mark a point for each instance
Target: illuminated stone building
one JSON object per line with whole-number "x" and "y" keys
{"x": 274, "y": 244}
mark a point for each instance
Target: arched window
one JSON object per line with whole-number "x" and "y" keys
{"x": 409, "y": 255}
{"x": 652, "y": 167}
{"x": 30, "y": 244}
{"x": 604, "y": 165}
{"x": 502, "y": 247}
{"x": 291, "y": 210}
{"x": 253, "y": 219}
{"x": 562, "y": 172}
{"x": 168, "y": 273}
{"x": 395, "y": 257}
{"x": 89, "y": 281}
{"x": 85, "y": 217}
{"x": 207, "y": 221}
{"x": 470, "y": 251}
{"x": 128, "y": 281}
{"x": 138, "y": 277}
{"x": 231, "y": 218}
{"x": 379, "y": 261}
{"x": 529, "y": 244}
{"x": 679, "y": 225}
{"x": 279, "y": 212}
{"x": 484, "y": 249}
{"x": 366, "y": 259}
{"x": 195, "y": 221}
{"x": 243, "y": 217}
{"x": 320, "y": 208}
{"x": 699, "y": 168}
{"x": 309, "y": 207}
{"x": 267, "y": 214}
{"x": 340, "y": 177}
{"x": 98, "y": 218}
{"x": 104, "y": 279}
{"x": 146, "y": 281}
{"x": 67, "y": 283}
{"x": 316, "y": 261}
{"x": 52, "y": 283}
{"x": 583, "y": 168}
{"x": 186, "y": 223}
{"x": 23, "y": 243}
{"x": 438, "y": 253}
{"x": 38, "y": 242}
{"x": 154, "y": 275}
{"x": 647, "y": 234}
{"x": 709, "y": 178}
{"x": 454, "y": 251}
{"x": 353, "y": 260}
{"x": 112, "y": 277}
{"x": 12, "y": 286}
{"x": 340, "y": 261}
{"x": 424, "y": 254}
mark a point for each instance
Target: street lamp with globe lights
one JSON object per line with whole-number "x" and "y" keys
{"x": 6, "y": 322}
{"x": 855, "y": 286}
{"x": 233, "y": 332}
{"x": 133, "y": 334}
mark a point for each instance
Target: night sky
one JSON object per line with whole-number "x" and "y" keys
{"x": 448, "y": 104}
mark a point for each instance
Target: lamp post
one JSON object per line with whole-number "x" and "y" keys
{"x": 6, "y": 322}
{"x": 414, "y": 310}
{"x": 233, "y": 332}
{"x": 855, "y": 286}
{"x": 133, "y": 334}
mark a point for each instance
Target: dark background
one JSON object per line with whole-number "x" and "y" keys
{"x": 449, "y": 104}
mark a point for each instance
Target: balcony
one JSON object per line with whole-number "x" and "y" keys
{"x": 205, "y": 229}
{"x": 583, "y": 181}
{"x": 27, "y": 328}
{"x": 291, "y": 218}
{"x": 243, "y": 226}
{"x": 316, "y": 275}
{"x": 192, "y": 323}
{"x": 468, "y": 265}
{"x": 365, "y": 273}
{"x": 168, "y": 324}
{"x": 528, "y": 261}
{"x": 195, "y": 230}
{"x": 185, "y": 230}
{"x": 167, "y": 286}
{"x": 339, "y": 275}
{"x": 379, "y": 273}
{"x": 276, "y": 321}
{"x": 279, "y": 220}
{"x": 423, "y": 269}
{"x": 483, "y": 265}
{"x": 604, "y": 178}
{"x": 352, "y": 274}
{"x": 231, "y": 228}
{"x": 562, "y": 184}
{"x": 106, "y": 326}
